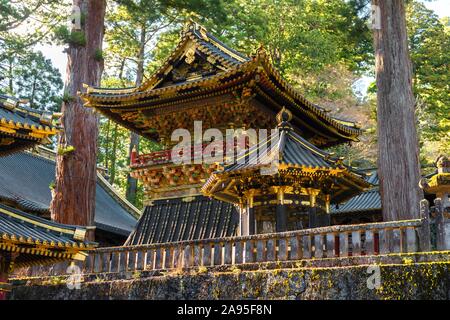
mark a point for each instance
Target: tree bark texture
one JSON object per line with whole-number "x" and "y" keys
{"x": 398, "y": 151}
{"x": 74, "y": 198}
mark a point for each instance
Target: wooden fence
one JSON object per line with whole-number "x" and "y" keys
{"x": 326, "y": 242}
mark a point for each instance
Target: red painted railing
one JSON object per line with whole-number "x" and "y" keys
{"x": 165, "y": 156}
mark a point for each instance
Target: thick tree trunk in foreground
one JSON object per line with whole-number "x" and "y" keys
{"x": 74, "y": 198}
{"x": 398, "y": 152}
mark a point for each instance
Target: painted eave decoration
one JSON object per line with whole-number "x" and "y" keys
{"x": 40, "y": 241}
{"x": 22, "y": 127}
{"x": 294, "y": 161}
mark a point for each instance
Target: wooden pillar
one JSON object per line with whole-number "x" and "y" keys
{"x": 243, "y": 231}
{"x": 317, "y": 219}
{"x": 281, "y": 213}
{"x": 312, "y": 214}
{"x": 247, "y": 219}
{"x": 324, "y": 217}
{"x": 251, "y": 216}
{"x": 327, "y": 203}
{"x": 312, "y": 209}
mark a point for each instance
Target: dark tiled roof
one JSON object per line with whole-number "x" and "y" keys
{"x": 289, "y": 155}
{"x": 38, "y": 240}
{"x": 176, "y": 220}
{"x": 215, "y": 46}
{"x": 25, "y": 179}
{"x": 366, "y": 201}
{"x": 205, "y": 43}
{"x": 292, "y": 150}
{"x": 10, "y": 110}
{"x": 373, "y": 178}
{"x": 17, "y": 223}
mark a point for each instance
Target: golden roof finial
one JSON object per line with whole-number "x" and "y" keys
{"x": 261, "y": 51}
{"x": 189, "y": 24}
{"x": 443, "y": 164}
{"x": 284, "y": 116}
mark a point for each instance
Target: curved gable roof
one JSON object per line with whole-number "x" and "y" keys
{"x": 25, "y": 180}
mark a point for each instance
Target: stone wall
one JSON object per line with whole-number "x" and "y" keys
{"x": 408, "y": 280}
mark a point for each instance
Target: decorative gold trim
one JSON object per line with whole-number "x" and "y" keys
{"x": 5, "y": 287}
{"x": 79, "y": 234}
{"x": 37, "y": 223}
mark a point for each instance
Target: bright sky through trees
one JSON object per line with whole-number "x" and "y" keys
{"x": 58, "y": 58}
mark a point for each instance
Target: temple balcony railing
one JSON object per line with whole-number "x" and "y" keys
{"x": 331, "y": 246}
{"x": 342, "y": 241}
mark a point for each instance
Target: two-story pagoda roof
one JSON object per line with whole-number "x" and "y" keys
{"x": 22, "y": 127}
{"x": 286, "y": 158}
{"x": 202, "y": 68}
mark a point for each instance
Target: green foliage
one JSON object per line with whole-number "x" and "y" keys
{"x": 31, "y": 76}
{"x": 62, "y": 33}
{"x": 26, "y": 23}
{"x": 300, "y": 36}
{"x": 65, "y": 36}
{"x": 67, "y": 97}
{"x": 63, "y": 151}
{"x": 98, "y": 55}
{"x": 24, "y": 72}
{"x": 77, "y": 38}
{"x": 429, "y": 41}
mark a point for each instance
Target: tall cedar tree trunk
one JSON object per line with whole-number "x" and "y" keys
{"x": 74, "y": 198}
{"x": 398, "y": 151}
{"x": 134, "y": 138}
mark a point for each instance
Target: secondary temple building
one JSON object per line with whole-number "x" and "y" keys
{"x": 26, "y": 239}
{"x": 205, "y": 80}
{"x": 26, "y": 178}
